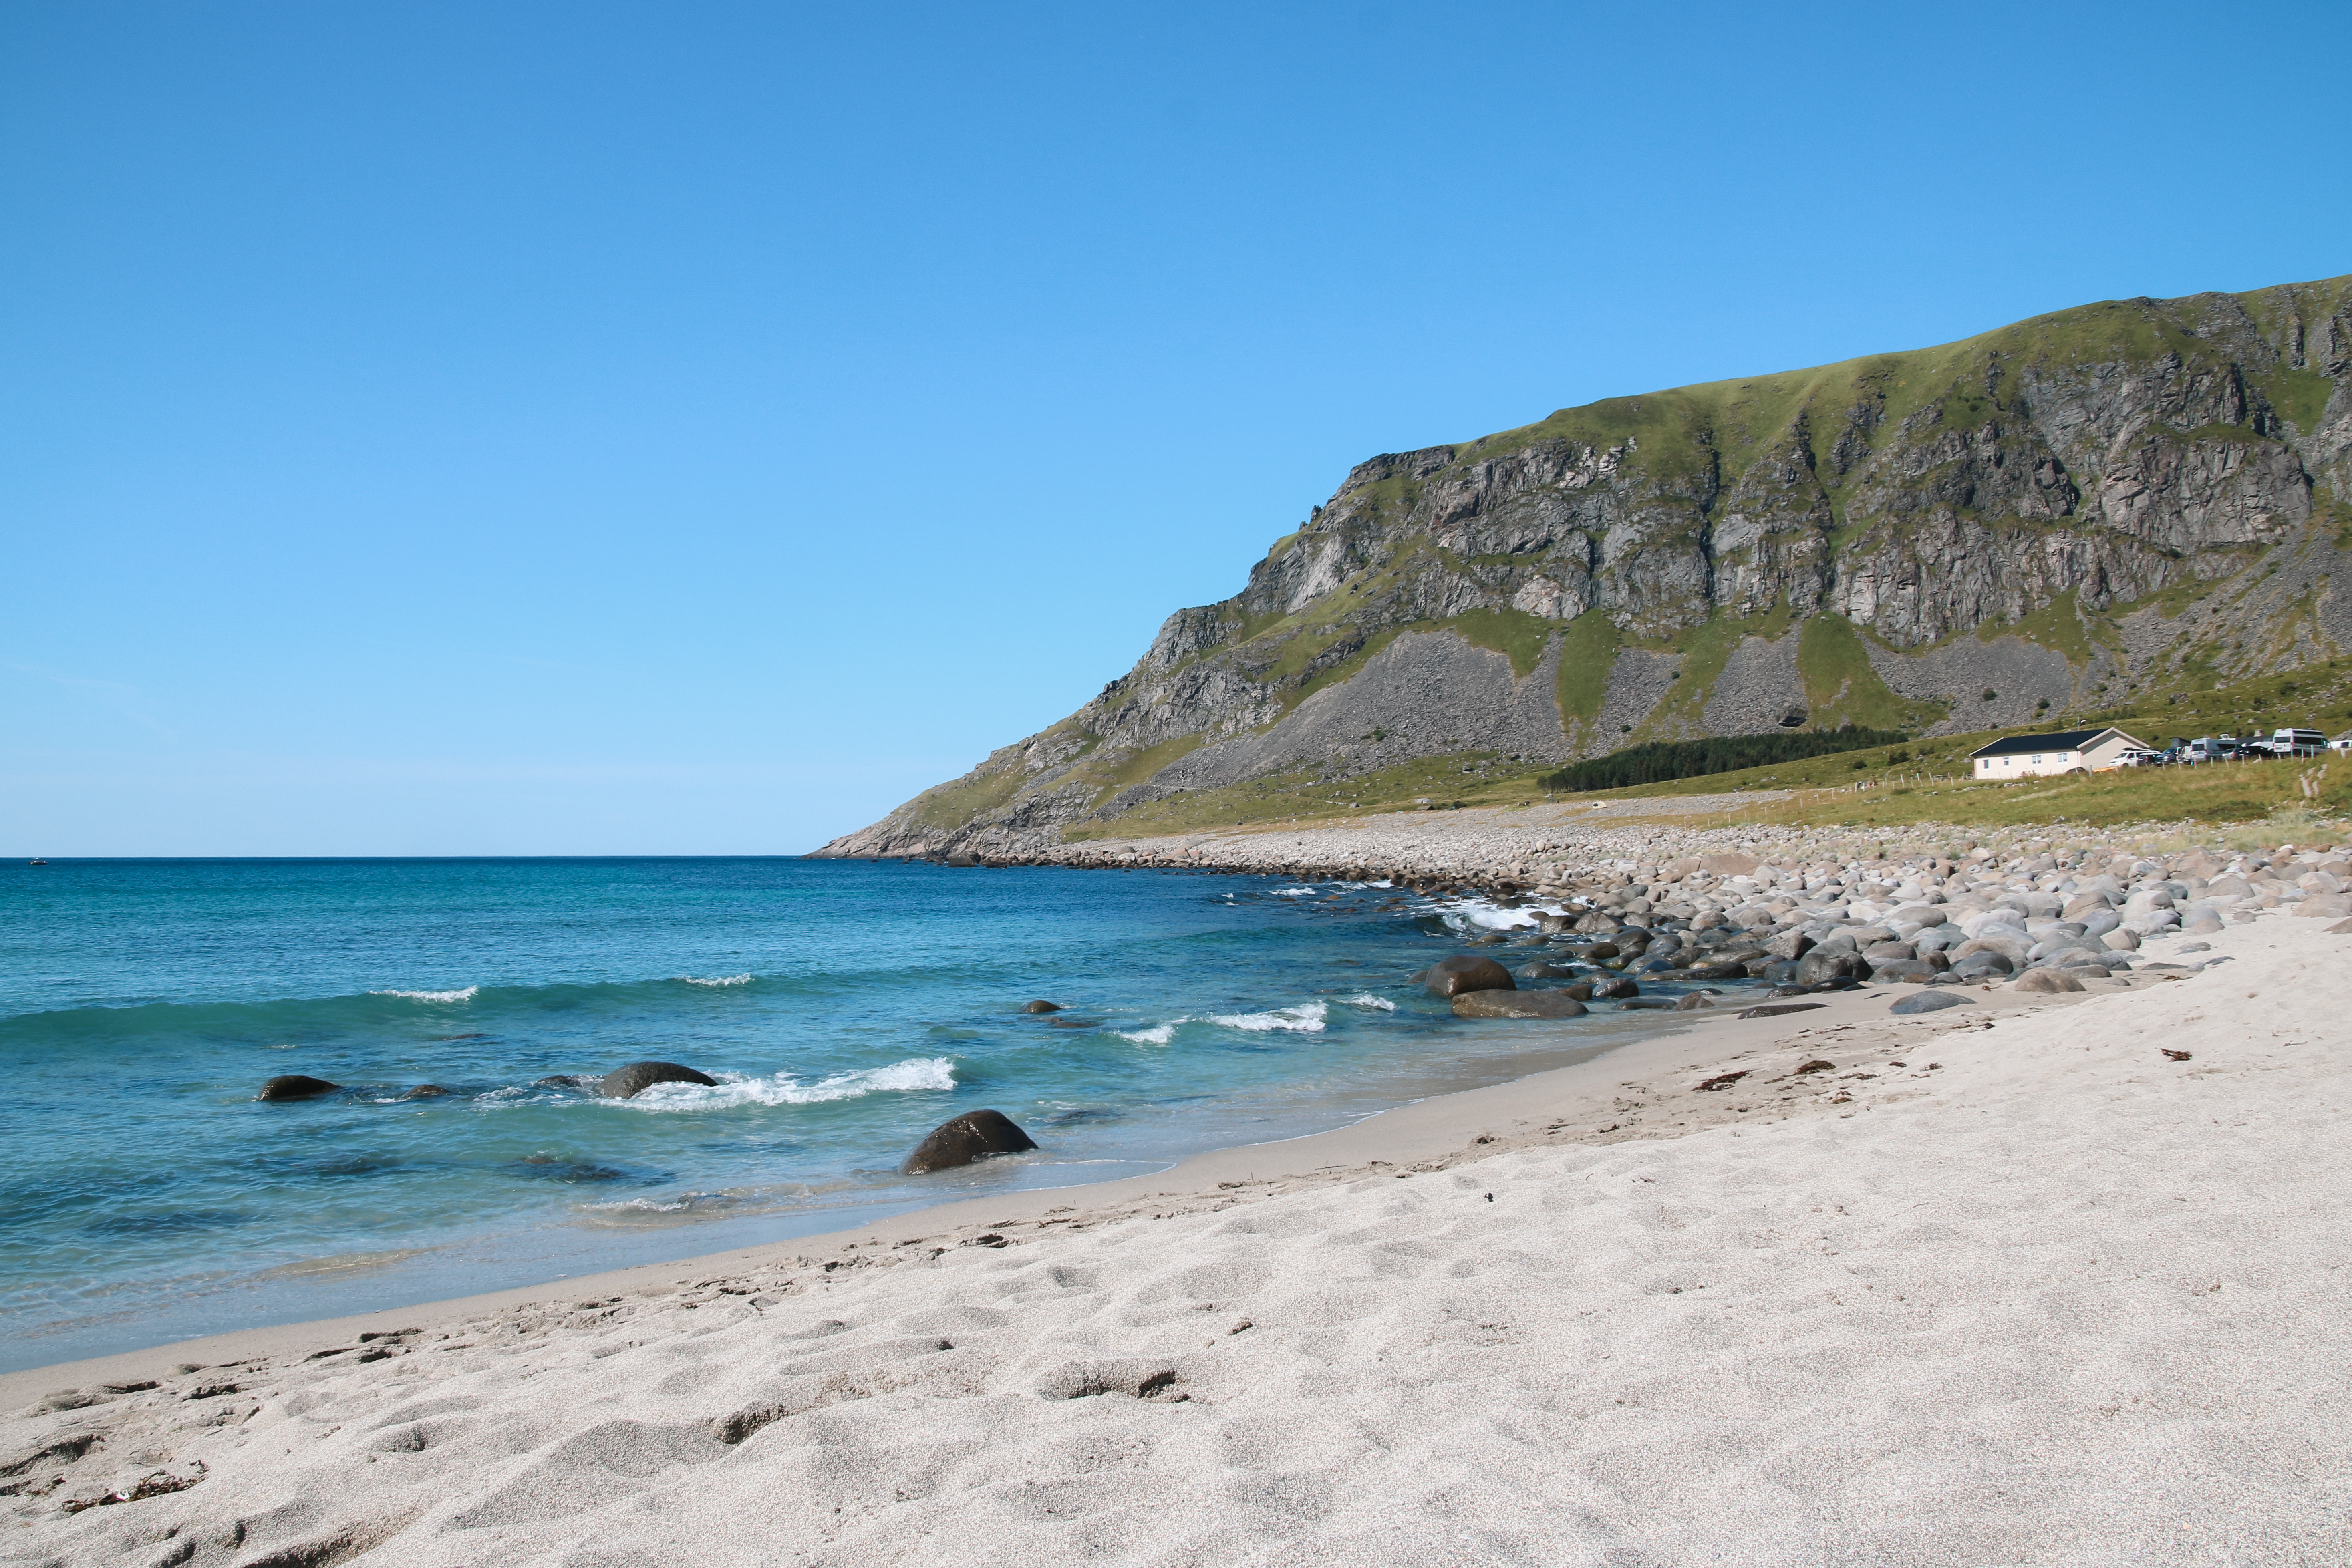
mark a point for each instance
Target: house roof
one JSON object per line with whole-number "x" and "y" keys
{"x": 2064, "y": 741}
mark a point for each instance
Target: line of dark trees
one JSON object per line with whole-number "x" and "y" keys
{"x": 1660, "y": 761}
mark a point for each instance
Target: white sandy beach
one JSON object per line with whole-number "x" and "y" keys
{"x": 2029, "y": 1293}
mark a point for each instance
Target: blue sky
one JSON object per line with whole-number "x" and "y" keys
{"x": 595, "y": 429}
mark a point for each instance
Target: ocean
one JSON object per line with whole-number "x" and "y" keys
{"x": 846, "y": 1008}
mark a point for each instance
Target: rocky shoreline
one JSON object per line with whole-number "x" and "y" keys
{"x": 1925, "y": 904}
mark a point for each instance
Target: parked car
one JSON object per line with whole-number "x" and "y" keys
{"x": 2139, "y": 757}
{"x": 2341, "y": 744}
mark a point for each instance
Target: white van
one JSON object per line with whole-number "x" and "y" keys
{"x": 2296, "y": 743}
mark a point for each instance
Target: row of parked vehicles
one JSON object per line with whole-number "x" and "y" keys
{"x": 2237, "y": 748}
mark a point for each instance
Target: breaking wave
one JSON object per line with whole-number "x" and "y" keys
{"x": 720, "y": 979}
{"x": 1308, "y": 1018}
{"x": 1463, "y": 914}
{"x": 467, "y": 995}
{"x": 1369, "y": 1000}
{"x": 1158, "y": 1035}
{"x": 915, "y": 1074}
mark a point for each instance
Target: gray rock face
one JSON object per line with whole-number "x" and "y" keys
{"x": 1541, "y": 593}
{"x": 627, "y": 1083}
{"x": 974, "y": 1135}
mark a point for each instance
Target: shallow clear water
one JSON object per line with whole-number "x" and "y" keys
{"x": 846, "y": 1006}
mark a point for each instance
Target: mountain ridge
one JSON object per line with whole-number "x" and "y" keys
{"x": 2124, "y": 498}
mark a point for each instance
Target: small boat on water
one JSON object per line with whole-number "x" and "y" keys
{"x": 37, "y": 860}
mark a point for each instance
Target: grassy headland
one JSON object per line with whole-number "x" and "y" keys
{"x": 1920, "y": 781}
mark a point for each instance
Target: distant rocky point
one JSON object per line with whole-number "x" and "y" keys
{"x": 2086, "y": 508}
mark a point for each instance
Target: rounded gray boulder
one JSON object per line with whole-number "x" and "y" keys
{"x": 1929, "y": 1002}
{"x": 1465, "y": 973}
{"x": 628, "y": 1082}
{"x": 1517, "y": 1004}
{"x": 974, "y": 1135}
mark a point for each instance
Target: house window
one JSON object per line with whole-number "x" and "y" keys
{"x": 2037, "y": 761}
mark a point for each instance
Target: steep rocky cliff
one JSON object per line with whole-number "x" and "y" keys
{"x": 2135, "y": 496}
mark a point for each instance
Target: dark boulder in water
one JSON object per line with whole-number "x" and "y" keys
{"x": 974, "y": 1135}
{"x": 295, "y": 1086}
{"x": 1517, "y": 1004}
{"x": 568, "y": 1080}
{"x": 1616, "y": 990}
{"x": 1465, "y": 973}
{"x": 1041, "y": 1007}
{"x": 627, "y": 1083}
{"x": 1545, "y": 972}
{"x": 425, "y": 1091}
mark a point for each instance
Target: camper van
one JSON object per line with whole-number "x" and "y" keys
{"x": 2293, "y": 744}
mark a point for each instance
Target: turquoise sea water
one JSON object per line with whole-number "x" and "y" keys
{"x": 847, "y": 1008}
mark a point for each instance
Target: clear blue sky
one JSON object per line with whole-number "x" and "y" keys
{"x": 597, "y": 428}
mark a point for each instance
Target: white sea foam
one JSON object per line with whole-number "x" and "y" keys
{"x": 465, "y": 995}
{"x": 1158, "y": 1035}
{"x": 1369, "y": 1000}
{"x": 1294, "y": 892}
{"x": 686, "y": 1203}
{"x": 721, "y": 980}
{"x": 1469, "y": 912}
{"x": 914, "y": 1074}
{"x": 1308, "y": 1018}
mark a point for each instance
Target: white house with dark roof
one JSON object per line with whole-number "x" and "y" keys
{"x": 2068, "y": 751}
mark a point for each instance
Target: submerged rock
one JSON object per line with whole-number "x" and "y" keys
{"x": 425, "y": 1091}
{"x": 1465, "y": 973}
{"x": 627, "y": 1083}
{"x": 974, "y": 1135}
{"x": 1041, "y": 1007}
{"x": 295, "y": 1086}
{"x": 1517, "y": 1004}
